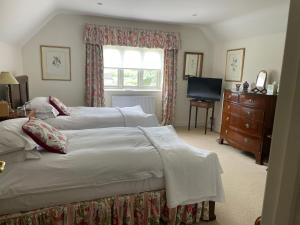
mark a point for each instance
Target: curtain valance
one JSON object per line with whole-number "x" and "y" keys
{"x": 109, "y": 35}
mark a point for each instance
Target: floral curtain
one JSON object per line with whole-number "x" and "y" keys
{"x": 122, "y": 36}
{"x": 94, "y": 85}
{"x": 97, "y": 35}
{"x": 147, "y": 208}
{"x": 169, "y": 86}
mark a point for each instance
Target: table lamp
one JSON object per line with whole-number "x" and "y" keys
{"x": 6, "y": 79}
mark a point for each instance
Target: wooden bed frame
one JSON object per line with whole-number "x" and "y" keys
{"x": 19, "y": 93}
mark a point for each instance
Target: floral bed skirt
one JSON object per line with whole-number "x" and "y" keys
{"x": 147, "y": 208}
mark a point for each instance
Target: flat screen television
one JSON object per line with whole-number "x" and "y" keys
{"x": 206, "y": 89}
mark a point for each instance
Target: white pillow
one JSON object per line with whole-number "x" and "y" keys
{"x": 46, "y": 115}
{"x": 12, "y": 137}
{"x": 136, "y": 108}
{"x": 37, "y": 101}
{"x": 42, "y": 106}
{"x": 20, "y": 156}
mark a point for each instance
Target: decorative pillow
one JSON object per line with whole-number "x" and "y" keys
{"x": 61, "y": 107}
{"x": 46, "y": 136}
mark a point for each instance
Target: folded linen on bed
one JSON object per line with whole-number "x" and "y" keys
{"x": 133, "y": 118}
{"x": 191, "y": 175}
{"x": 101, "y": 117}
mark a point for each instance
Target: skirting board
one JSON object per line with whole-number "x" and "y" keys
{"x": 216, "y": 127}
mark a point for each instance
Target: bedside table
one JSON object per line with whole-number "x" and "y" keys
{"x": 15, "y": 115}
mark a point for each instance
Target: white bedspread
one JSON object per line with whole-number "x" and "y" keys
{"x": 95, "y": 158}
{"x": 114, "y": 155}
{"x": 95, "y": 117}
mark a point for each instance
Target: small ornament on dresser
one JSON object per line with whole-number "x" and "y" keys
{"x": 237, "y": 87}
{"x": 272, "y": 88}
{"x": 245, "y": 86}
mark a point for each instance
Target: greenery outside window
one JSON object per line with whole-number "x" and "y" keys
{"x": 132, "y": 68}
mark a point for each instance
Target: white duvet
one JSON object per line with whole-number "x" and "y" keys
{"x": 113, "y": 155}
{"x": 95, "y": 117}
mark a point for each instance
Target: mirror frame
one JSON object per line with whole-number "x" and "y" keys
{"x": 200, "y": 56}
{"x": 264, "y": 85}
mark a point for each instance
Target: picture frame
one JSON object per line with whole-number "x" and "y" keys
{"x": 193, "y": 64}
{"x": 55, "y": 63}
{"x": 235, "y": 65}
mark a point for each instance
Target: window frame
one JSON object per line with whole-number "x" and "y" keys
{"x": 140, "y": 84}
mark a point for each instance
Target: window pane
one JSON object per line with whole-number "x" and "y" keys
{"x": 152, "y": 60}
{"x": 110, "y": 77}
{"x": 132, "y": 59}
{"x": 130, "y": 77}
{"x": 112, "y": 57}
{"x": 150, "y": 78}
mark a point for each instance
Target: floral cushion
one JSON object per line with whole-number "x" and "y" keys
{"x": 59, "y": 106}
{"x": 46, "y": 136}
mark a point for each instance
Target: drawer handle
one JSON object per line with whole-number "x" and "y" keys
{"x": 227, "y": 118}
{"x": 251, "y": 100}
{"x": 228, "y": 107}
{"x": 247, "y": 125}
{"x": 229, "y": 96}
{"x": 246, "y": 140}
{"x": 249, "y": 113}
{"x": 226, "y": 131}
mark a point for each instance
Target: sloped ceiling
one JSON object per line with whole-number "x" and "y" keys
{"x": 261, "y": 22}
{"x": 21, "y": 19}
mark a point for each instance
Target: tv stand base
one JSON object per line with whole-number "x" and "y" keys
{"x": 202, "y": 104}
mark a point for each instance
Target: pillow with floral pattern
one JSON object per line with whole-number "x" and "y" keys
{"x": 46, "y": 136}
{"x": 59, "y": 106}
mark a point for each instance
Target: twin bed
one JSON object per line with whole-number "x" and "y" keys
{"x": 131, "y": 172}
{"x": 94, "y": 117}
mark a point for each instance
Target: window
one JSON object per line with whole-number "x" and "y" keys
{"x": 132, "y": 68}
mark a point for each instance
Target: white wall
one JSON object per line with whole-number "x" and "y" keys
{"x": 10, "y": 58}
{"x": 262, "y": 52}
{"x": 67, "y": 30}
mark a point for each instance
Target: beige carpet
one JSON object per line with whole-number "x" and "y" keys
{"x": 243, "y": 180}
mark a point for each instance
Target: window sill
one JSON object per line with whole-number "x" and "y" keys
{"x": 131, "y": 90}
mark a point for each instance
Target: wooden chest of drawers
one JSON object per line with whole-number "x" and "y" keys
{"x": 247, "y": 122}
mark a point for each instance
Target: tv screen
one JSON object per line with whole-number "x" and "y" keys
{"x": 204, "y": 88}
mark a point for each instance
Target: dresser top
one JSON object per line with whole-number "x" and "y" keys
{"x": 247, "y": 92}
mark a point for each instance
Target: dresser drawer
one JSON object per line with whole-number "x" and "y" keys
{"x": 231, "y": 96}
{"x": 241, "y": 141}
{"x": 225, "y": 119}
{"x": 249, "y": 127}
{"x": 230, "y": 107}
{"x": 251, "y": 113}
{"x": 252, "y": 101}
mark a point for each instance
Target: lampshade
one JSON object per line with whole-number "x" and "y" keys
{"x": 7, "y": 78}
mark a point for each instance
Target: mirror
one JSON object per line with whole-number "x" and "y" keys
{"x": 193, "y": 63}
{"x": 261, "y": 79}
{"x": 261, "y": 82}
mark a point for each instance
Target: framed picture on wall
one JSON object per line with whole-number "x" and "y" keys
{"x": 234, "y": 64}
{"x": 193, "y": 63}
{"x": 55, "y": 62}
